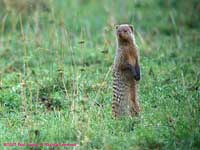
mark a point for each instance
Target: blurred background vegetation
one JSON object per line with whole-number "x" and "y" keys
{"x": 56, "y": 80}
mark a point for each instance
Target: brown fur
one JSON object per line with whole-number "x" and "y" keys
{"x": 126, "y": 70}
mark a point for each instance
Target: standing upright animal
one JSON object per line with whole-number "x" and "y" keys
{"x": 126, "y": 71}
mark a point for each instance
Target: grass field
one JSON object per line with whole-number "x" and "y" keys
{"x": 56, "y": 78}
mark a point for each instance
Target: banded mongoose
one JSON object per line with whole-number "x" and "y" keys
{"x": 126, "y": 72}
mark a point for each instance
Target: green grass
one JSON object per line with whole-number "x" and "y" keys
{"x": 56, "y": 79}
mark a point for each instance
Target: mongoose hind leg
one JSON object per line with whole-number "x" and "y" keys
{"x": 135, "y": 107}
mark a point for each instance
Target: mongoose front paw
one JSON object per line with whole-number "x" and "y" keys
{"x": 137, "y": 77}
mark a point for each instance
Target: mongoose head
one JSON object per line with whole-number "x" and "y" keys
{"x": 125, "y": 33}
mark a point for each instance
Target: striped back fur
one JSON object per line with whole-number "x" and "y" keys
{"x": 120, "y": 102}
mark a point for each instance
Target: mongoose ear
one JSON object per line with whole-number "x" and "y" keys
{"x": 131, "y": 27}
{"x": 116, "y": 27}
